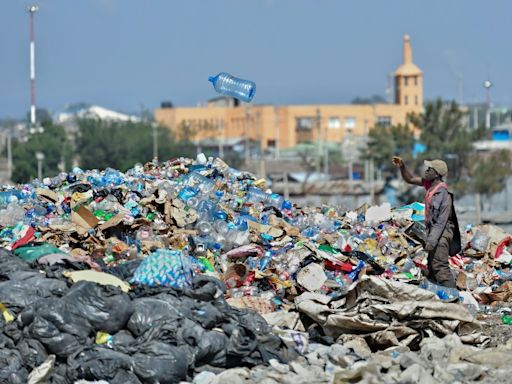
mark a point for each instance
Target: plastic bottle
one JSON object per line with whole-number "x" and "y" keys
{"x": 444, "y": 293}
{"x": 506, "y": 319}
{"x": 229, "y": 85}
{"x": 276, "y": 200}
{"x": 187, "y": 192}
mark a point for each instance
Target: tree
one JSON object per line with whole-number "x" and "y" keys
{"x": 120, "y": 145}
{"x": 446, "y": 136}
{"x": 52, "y": 142}
{"x": 43, "y": 116}
{"x": 489, "y": 175}
{"x": 385, "y": 142}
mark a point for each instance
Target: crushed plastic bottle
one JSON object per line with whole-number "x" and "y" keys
{"x": 229, "y": 85}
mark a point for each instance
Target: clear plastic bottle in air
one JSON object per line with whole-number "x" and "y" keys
{"x": 229, "y": 85}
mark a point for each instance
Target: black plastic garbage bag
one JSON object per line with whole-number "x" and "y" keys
{"x": 55, "y": 342}
{"x": 124, "y": 271}
{"x": 212, "y": 349}
{"x": 11, "y": 367}
{"x": 122, "y": 340}
{"x": 252, "y": 321}
{"x": 61, "y": 314}
{"x": 106, "y": 308}
{"x": 242, "y": 342}
{"x": 206, "y": 288}
{"x": 27, "y": 287}
{"x": 96, "y": 363}
{"x": 126, "y": 377}
{"x": 164, "y": 330}
{"x": 10, "y": 263}
{"x": 32, "y": 352}
{"x": 207, "y": 315}
{"x": 14, "y": 332}
{"x": 157, "y": 362}
{"x": 147, "y": 311}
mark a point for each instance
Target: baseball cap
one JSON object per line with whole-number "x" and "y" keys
{"x": 437, "y": 165}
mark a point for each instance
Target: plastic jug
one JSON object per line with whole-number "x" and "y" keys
{"x": 229, "y": 85}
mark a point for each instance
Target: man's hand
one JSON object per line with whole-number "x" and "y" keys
{"x": 397, "y": 161}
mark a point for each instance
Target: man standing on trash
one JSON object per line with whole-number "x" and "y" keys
{"x": 443, "y": 235}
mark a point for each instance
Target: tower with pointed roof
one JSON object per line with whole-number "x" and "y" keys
{"x": 409, "y": 80}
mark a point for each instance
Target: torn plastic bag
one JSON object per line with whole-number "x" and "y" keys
{"x": 11, "y": 367}
{"x": 157, "y": 362}
{"x": 147, "y": 311}
{"x": 242, "y": 342}
{"x": 106, "y": 308}
{"x": 96, "y": 363}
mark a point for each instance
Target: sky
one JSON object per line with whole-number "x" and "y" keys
{"x": 133, "y": 54}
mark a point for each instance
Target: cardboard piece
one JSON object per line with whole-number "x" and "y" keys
{"x": 46, "y": 194}
{"x": 117, "y": 219}
{"x": 84, "y": 218}
{"x": 267, "y": 229}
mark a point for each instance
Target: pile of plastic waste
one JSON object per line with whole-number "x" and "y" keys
{"x": 217, "y": 220}
{"x": 176, "y": 239}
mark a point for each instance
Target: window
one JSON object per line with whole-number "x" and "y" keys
{"x": 334, "y": 122}
{"x": 271, "y": 143}
{"x": 406, "y": 100}
{"x": 405, "y": 81}
{"x": 416, "y": 100}
{"x": 384, "y": 121}
{"x": 350, "y": 123}
{"x": 304, "y": 123}
{"x": 415, "y": 80}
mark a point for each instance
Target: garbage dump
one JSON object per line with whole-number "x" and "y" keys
{"x": 178, "y": 270}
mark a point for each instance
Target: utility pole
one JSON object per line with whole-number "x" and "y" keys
{"x": 319, "y": 150}
{"x": 40, "y": 159}
{"x": 372, "y": 180}
{"x": 487, "y": 85}
{"x": 220, "y": 127}
{"x": 248, "y": 112}
{"x": 155, "y": 140}
{"x": 277, "y": 132}
{"x": 32, "y": 9}
{"x": 9, "y": 154}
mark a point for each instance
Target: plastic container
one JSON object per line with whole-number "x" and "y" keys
{"x": 444, "y": 293}
{"x": 228, "y": 85}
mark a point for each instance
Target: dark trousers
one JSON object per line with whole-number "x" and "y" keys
{"x": 438, "y": 266}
